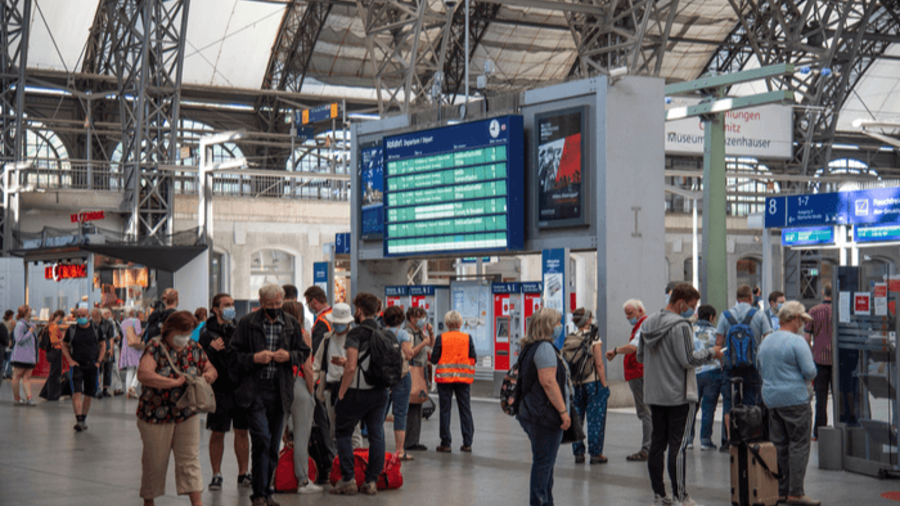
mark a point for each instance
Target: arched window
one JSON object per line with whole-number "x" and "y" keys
{"x": 49, "y": 158}
{"x": 270, "y": 266}
{"x": 844, "y": 166}
{"x": 746, "y": 195}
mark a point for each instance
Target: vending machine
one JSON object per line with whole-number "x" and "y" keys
{"x": 507, "y": 323}
{"x": 396, "y": 296}
{"x": 435, "y": 300}
{"x": 531, "y": 303}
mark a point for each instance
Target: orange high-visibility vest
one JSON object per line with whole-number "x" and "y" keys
{"x": 321, "y": 318}
{"x": 455, "y": 366}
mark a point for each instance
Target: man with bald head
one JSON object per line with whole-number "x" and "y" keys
{"x": 84, "y": 349}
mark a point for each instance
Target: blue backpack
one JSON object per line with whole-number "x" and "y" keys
{"x": 741, "y": 353}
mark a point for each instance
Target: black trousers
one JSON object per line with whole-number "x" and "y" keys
{"x": 669, "y": 431}
{"x": 821, "y": 385}
{"x": 51, "y": 390}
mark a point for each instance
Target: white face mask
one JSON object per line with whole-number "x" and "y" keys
{"x": 181, "y": 341}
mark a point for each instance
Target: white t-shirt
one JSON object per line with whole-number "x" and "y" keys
{"x": 335, "y": 349}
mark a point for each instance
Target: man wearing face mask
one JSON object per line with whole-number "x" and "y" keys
{"x": 454, "y": 358}
{"x": 262, "y": 353}
{"x": 776, "y": 300}
{"x": 670, "y": 387}
{"x": 84, "y": 349}
{"x": 214, "y": 339}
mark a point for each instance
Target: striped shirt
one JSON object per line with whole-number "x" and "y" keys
{"x": 273, "y": 339}
{"x": 820, "y": 330}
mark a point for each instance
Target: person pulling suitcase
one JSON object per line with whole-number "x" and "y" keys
{"x": 754, "y": 461}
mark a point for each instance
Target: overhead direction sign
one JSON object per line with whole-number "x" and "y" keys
{"x": 321, "y": 113}
{"x": 886, "y": 233}
{"x": 861, "y": 207}
{"x": 807, "y": 236}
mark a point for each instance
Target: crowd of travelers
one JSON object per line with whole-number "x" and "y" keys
{"x": 320, "y": 389}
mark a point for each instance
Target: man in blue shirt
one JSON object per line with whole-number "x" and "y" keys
{"x": 787, "y": 367}
{"x": 776, "y": 300}
{"x": 710, "y": 378}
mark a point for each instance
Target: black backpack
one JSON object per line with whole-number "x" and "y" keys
{"x": 44, "y": 341}
{"x": 385, "y": 359}
{"x": 155, "y": 323}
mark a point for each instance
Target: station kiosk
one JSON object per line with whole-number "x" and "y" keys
{"x": 435, "y": 300}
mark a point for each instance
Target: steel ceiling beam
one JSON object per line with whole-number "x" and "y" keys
{"x": 148, "y": 50}
{"x": 292, "y": 53}
{"x": 481, "y": 15}
{"x": 629, "y": 33}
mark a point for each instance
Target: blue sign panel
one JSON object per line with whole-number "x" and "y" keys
{"x": 807, "y": 236}
{"x": 342, "y": 243}
{"x": 371, "y": 176}
{"x": 425, "y": 289}
{"x": 304, "y": 133}
{"x": 816, "y": 209}
{"x": 396, "y": 291}
{"x": 506, "y": 288}
{"x": 876, "y": 234}
{"x": 456, "y": 189}
{"x": 776, "y": 212}
{"x": 474, "y": 260}
{"x": 320, "y": 272}
{"x": 880, "y": 205}
{"x": 553, "y": 266}
{"x": 533, "y": 287}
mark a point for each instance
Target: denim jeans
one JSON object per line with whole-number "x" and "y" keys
{"x": 356, "y": 406}
{"x": 399, "y": 399}
{"x": 590, "y": 399}
{"x": 266, "y": 420}
{"x": 545, "y": 444}
{"x": 463, "y": 404}
{"x": 710, "y": 385}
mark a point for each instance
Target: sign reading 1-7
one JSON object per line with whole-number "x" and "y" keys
{"x": 807, "y": 210}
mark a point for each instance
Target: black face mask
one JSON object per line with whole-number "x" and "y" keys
{"x": 273, "y": 312}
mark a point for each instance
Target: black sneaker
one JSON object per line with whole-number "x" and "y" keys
{"x": 78, "y": 427}
{"x": 216, "y": 483}
{"x": 245, "y": 480}
{"x": 725, "y": 448}
{"x": 579, "y": 459}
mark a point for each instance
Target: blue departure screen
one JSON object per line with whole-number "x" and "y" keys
{"x": 371, "y": 169}
{"x": 455, "y": 189}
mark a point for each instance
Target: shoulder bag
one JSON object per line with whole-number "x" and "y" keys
{"x": 198, "y": 394}
{"x": 575, "y": 432}
{"x": 134, "y": 341}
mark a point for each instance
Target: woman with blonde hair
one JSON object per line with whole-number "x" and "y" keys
{"x": 543, "y": 410}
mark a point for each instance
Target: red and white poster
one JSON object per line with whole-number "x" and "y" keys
{"x": 862, "y": 304}
{"x": 881, "y": 302}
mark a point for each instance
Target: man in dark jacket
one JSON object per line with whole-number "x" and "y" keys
{"x": 108, "y": 334}
{"x": 216, "y": 336}
{"x": 265, "y": 347}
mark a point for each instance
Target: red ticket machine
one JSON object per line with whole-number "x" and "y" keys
{"x": 396, "y": 296}
{"x": 507, "y": 323}
{"x": 435, "y": 300}
{"x": 531, "y": 303}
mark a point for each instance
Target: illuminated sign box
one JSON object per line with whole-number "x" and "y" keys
{"x": 876, "y": 234}
{"x": 808, "y": 236}
{"x": 455, "y": 189}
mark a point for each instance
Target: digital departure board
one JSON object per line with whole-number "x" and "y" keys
{"x": 372, "y": 194}
{"x": 455, "y": 189}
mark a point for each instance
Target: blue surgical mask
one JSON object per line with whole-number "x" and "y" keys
{"x": 780, "y": 305}
{"x": 229, "y": 313}
{"x": 557, "y": 332}
{"x": 687, "y": 313}
{"x": 82, "y": 321}
{"x": 633, "y": 321}
{"x": 340, "y": 328}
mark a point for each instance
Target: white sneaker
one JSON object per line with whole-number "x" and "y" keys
{"x": 659, "y": 500}
{"x": 310, "y": 488}
{"x": 690, "y": 446}
{"x": 687, "y": 501}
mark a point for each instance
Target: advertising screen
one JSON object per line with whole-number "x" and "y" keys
{"x": 371, "y": 168}
{"x": 559, "y": 160}
{"x": 455, "y": 189}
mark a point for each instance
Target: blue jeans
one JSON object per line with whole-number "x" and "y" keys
{"x": 591, "y": 398}
{"x": 266, "y": 421}
{"x": 463, "y": 404}
{"x": 399, "y": 399}
{"x": 544, "y": 448}
{"x": 710, "y": 385}
{"x": 356, "y": 406}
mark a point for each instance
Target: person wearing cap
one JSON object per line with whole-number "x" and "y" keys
{"x": 329, "y": 361}
{"x": 787, "y": 367}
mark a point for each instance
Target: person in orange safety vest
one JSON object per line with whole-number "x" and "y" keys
{"x": 454, "y": 357}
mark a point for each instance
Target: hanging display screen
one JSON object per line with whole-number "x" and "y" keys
{"x": 371, "y": 170}
{"x": 559, "y": 158}
{"x": 455, "y": 189}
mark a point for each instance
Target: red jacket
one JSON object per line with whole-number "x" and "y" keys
{"x": 633, "y": 368}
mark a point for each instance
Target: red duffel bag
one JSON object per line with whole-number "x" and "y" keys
{"x": 389, "y": 479}
{"x": 285, "y": 479}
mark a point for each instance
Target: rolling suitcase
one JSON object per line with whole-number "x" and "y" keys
{"x": 754, "y": 463}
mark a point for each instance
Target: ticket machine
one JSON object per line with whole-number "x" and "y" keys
{"x": 507, "y": 328}
{"x": 396, "y": 296}
{"x": 435, "y": 300}
{"x": 531, "y": 303}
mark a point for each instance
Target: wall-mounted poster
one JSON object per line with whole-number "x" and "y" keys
{"x": 559, "y": 161}
{"x": 371, "y": 169}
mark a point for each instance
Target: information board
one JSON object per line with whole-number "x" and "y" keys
{"x": 876, "y": 234}
{"x": 860, "y": 207}
{"x": 371, "y": 171}
{"x": 455, "y": 189}
{"x": 807, "y": 236}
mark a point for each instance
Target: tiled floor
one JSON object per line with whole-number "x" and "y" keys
{"x": 44, "y": 462}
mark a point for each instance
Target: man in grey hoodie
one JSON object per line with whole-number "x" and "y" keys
{"x": 670, "y": 388}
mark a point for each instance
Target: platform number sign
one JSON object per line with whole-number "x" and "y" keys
{"x": 776, "y": 212}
